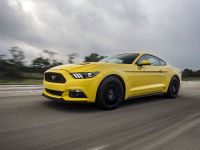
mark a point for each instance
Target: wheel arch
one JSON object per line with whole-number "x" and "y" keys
{"x": 168, "y": 92}
{"x": 175, "y": 75}
{"x": 169, "y": 81}
{"x": 118, "y": 77}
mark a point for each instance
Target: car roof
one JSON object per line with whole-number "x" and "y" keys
{"x": 135, "y": 53}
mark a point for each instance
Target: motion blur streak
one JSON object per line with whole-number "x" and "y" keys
{"x": 33, "y": 122}
{"x": 19, "y": 90}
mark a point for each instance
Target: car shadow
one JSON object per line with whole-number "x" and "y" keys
{"x": 143, "y": 100}
{"x": 71, "y": 107}
{"x": 91, "y": 107}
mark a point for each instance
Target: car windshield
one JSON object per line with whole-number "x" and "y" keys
{"x": 120, "y": 58}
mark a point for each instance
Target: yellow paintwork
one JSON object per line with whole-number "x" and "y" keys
{"x": 138, "y": 80}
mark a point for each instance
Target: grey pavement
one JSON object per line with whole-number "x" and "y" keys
{"x": 29, "y": 121}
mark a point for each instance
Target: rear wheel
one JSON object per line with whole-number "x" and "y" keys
{"x": 110, "y": 93}
{"x": 173, "y": 88}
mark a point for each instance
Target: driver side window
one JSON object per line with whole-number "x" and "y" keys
{"x": 153, "y": 60}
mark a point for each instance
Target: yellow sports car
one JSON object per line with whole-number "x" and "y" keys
{"x": 112, "y": 80}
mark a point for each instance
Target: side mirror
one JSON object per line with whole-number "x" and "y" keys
{"x": 144, "y": 62}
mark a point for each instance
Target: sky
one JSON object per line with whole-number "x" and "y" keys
{"x": 169, "y": 29}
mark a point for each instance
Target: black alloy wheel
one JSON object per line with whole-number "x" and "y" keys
{"x": 110, "y": 93}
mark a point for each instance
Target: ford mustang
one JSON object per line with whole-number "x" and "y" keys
{"x": 112, "y": 80}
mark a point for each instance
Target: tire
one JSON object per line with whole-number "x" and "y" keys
{"x": 110, "y": 93}
{"x": 173, "y": 88}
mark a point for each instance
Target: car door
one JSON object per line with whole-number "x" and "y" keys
{"x": 149, "y": 79}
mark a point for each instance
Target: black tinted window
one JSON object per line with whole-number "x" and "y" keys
{"x": 121, "y": 58}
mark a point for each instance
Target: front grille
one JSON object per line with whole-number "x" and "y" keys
{"x": 54, "y": 77}
{"x": 58, "y": 93}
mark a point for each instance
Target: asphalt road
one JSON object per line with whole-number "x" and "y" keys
{"x": 29, "y": 121}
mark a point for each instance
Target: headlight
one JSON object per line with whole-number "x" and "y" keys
{"x": 84, "y": 75}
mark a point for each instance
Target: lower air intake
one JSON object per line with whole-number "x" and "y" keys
{"x": 53, "y": 92}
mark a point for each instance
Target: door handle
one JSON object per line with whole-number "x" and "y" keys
{"x": 161, "y": 71}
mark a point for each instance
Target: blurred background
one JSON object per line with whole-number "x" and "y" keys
{"x": 36, "y": 35}
{"x": 14, "y": 69}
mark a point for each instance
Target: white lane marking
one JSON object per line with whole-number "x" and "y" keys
{"x": 20, "y": 88}
{"x": 99, "y": 147}
{"x": 190, "y": 83}
{"x": 20, "y": 93}
{"x": 25, "y": 85}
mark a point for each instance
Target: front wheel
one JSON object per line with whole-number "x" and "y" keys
{"x": 173, "y": 88}
{"x": 110, "y": 93}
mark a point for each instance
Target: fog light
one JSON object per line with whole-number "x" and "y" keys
{"x": 76, "y": 93}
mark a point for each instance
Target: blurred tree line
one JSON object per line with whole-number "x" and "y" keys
{"x": 191, "y": 73}
{"x": 14, "y": 67}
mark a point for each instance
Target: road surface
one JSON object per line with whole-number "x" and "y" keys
{"x": 29, "y": 121}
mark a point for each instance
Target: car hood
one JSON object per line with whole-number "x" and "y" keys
{"x": 82, "y": 67}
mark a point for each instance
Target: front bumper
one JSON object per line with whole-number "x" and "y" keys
{"x": 87, "y": 86}
{"x": 53, "y": 98}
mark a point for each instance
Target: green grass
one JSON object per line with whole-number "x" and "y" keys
{"x": 22, "y": 82}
